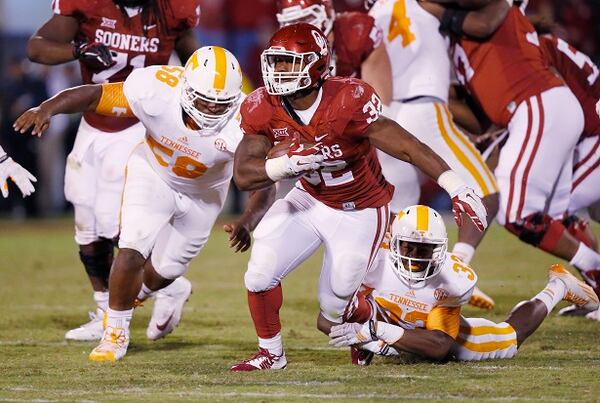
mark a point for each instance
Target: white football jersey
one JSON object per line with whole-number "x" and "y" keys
{"x": 417, "y": 51}
{"x": 409, "y": 305}
{"x": 197, "y": 163}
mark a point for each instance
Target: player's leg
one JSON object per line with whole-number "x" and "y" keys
{"x": 95, "y": 254}
{"x": 533, "y": 167}
{"x": 436, "y": 128}
{"x": 148, "y": 206}
{"x": 282, "y": 241}
{"x": 176, "y": 246}
{"x": 352, "y": 240}
{"x": 585, "y": 190}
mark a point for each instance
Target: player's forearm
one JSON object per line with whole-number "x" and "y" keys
{"x": 431, "y": 344}
{"x": 258, "y": 204}
{"x": 251, "y": 174}
{"x": 485, "y": 21}
{"x": 73, "y": 100}
{"x": 377, "y": 72}
{"x": 45, "y": 51}
{"x": 464, "y": 116}
{"x": 185, "y": 45}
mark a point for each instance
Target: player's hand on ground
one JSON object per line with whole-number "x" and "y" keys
{"x": 239, "y": 236}
{"x": 37, "y": 117}
{"x": 466, "y": 201}
{"x": 348, "y": 334}
{"x": 95, "y": 55}
{"x": 19, "y": 175}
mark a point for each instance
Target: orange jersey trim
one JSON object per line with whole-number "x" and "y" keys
{"x": 444, "y": 318}
{"x": 113, "y": 101}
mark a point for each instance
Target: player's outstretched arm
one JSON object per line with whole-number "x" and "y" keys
{"x": 77, "y": 99}
{"x": 239, "y": 231}
{"x": 393, "y": 139}
{"x": 51, "y": 44}
{"x": 19, "y": 175}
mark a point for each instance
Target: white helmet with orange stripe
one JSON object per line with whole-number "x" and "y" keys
{"x": 212, "y": 86}
{"x": 419, "y": 243}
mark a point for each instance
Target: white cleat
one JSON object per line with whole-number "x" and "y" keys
{"x": 113, "y": 346}
{"x": 261, "y": 361}
{"x": 578, "y": 292}
{"x": 168, "y": 306}
{"x": 90, "y": 331}
{"x": 594, "y": 315}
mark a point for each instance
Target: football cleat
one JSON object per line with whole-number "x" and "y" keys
{"x": 261, "y": 361}
{"x": 113, "y": 346}
{"x": 578, "y": 292}
{"x": 90, "y": 331}
{"x": 168, "y": 306}
{"x": 573, "y": 310}
{"x": 360, "y": 357}
{"x": 594, "y": 315}
{"x": 592, "y": 277}
{"x": 481, "y": 300}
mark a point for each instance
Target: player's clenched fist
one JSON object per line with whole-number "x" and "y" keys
{"x": 299, "y": 158}
{"x": 37, "y": 117}
{"x": 94, "y": 55}
{"x": 348, "y": 334}
{"x": 20, "y": 176}
{"x": 464, "y": 200}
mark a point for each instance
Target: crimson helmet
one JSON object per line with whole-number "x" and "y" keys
{"x": 319, "y": 13}
{"x": 303, "y": 47}
{"x": 368, "y": 4}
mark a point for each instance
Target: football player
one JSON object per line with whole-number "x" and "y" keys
{"x": 19, "y": 175}
{"x": 109, "y": 38}
{"x": 341, "y": 200}
{"x": 177, "y": 180}
{"x": 507, "y": 74}
{"x": 416, "y": 298}
{"x": 421, "y": 71}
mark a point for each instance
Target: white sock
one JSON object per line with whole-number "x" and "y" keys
{"x": 145, "y": 293}
{"x": 464, "y": 251}
{"x": 119, "y": 319}
{"x": 274, "y": 344}
{"x": 585, "y": 259}
{"x": 101, "y": 298}
{"x": 553, "y": 293}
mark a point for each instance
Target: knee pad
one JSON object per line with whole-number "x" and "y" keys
{"x": 259, "y": 282}
{"x": 98, "y": 263}
{"x": 539, "y": 230}
{"x": 580, "y": 229}
{"x": 262, "y": 266}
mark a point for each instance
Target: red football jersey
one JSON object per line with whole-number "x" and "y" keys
{"x": 504, "y": 70}
{"x": 348, "y": 106}
{"x": 132, "y": 44}
{"x": 580, "y": 74}
{"x": 355, "y": 37}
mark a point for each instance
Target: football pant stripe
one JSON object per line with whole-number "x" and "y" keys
{"x": 487, "y": 347}
{"x": 481, "y": 330}
{"x": 462, "y": 158}
{"x": 477, "y": 156}
{"x": 220, "y": 68}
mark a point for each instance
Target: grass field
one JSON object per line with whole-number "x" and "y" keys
{"x": 44, "y": 292}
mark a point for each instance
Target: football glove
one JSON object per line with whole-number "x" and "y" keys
{"x": 464, "y": 200}
{"x": 93, "y": 54}
{"x": 299, "y": 159}
{"x": 348, "y": 334}
{"x": 19, "y": 175}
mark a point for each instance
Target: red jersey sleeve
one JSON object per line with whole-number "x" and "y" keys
{"x": 361, "y": 100}
{"x": 67, "y": 8}
{"x": 256, "y": 113}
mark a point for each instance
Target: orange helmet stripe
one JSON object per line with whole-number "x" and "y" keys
{"x": 220, "y": 68}
{"x": 422, "y": 218}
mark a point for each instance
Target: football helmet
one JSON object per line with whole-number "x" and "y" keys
{"x": 212, "y": 86}
{"x": 368, "y": 4}
{"x": 297, "y": 58}
{"x": 319, "y": 13}
{"x": 419, "y": 243}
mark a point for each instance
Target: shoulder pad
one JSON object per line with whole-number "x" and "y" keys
{"x": 145, "y": 91}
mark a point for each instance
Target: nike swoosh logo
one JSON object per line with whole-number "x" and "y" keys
{"x": 164, "y": 325}
{"x": 149, "y": 27}
{"x": 319, "y": 138}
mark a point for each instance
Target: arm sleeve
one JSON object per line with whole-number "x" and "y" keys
{"x": 445, "y": 319}
{"x": 113, "y": 101}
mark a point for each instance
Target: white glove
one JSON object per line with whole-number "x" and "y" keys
{"x": 348, "y": 334}
{"x": 288, "y": 166}
{"x": 464, "y": 200}
{"x": 19, "y": 175}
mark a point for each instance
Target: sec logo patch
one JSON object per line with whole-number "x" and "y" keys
{"x": 220, "y": 144}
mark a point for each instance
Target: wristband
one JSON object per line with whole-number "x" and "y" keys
{"x": 276, "y": 168}
{"x": 450, "y": 182}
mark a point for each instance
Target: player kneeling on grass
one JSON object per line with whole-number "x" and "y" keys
{"x": 177, "y": 181}
{"x": 417, "y": 293}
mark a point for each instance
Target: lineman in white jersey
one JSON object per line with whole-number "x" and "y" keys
{"x": 421, "y": 80}
{"x": 177, "y": 181}
{"x": 417, "y": 294}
